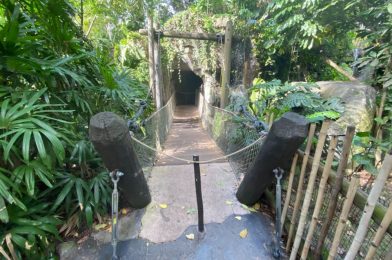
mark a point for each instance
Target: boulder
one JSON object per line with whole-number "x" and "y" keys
{"x": 359, "y": 101}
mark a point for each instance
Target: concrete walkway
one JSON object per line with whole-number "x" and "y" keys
{"x": 172, "y": 214}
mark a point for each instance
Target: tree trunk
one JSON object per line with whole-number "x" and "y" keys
{"x": 110, "y": 136}
{"x": 374, "y": 194}
{"x": 158, "y": 71}
{"x": 226, "y": 65}
{"x": 378, "y": 153}
{"x": 280, "y": 145}
{"x": 335, "y": 190}
{"x": 309, "y": 189}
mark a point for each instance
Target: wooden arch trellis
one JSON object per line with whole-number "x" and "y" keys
{"x": 154, "y": 56}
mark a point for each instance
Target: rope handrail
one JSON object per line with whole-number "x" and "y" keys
{"x": 200, "y": 162}
{"x": 156, "y": 112}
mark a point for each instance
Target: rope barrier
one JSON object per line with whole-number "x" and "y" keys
{"x": 164, "y": 107}
{"x": 191, "y": 161}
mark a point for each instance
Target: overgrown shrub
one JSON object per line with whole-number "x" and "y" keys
{"x": 52, "y": 80}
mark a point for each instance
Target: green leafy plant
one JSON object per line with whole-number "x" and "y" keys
{"x": 277, "y": 98}
{"x": 52, "y": 80}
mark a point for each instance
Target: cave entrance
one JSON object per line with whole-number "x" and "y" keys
{"x": 187, "y": 87}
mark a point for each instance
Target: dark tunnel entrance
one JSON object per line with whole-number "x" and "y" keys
{"x": 187, "y": 87}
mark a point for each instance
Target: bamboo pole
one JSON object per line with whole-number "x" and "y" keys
{"x": 320, "y": 196}
{"x": 374, "y": 194}
{"x": 226, "y": 65}
{"x": 386, "y": 221}
{"x": 271, "y": 119}
{"x": 360, "y": 197}
{"x": 309, "y": 189}
{"x": 289, "y": 188}
{"x": 335, "y": 189}
{"x": 378, "y": 135}
{"x": 344, "y": 216}
{"x": 298, "y": 194}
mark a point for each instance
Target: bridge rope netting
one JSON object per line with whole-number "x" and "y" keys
{"x": 234, "y": 135}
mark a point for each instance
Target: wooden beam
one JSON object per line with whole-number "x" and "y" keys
{"x": 280, "y": 145}
{"x": 340, "y": 69}
{"x": 185, "y": 35}
{"x": 110, "y": 136}
{"x": 226, "y": 65}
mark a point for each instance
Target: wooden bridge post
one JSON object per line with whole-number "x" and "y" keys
{"x": 279, "y": 147}
{"x": 158, "y": 70}
{"x": 110, "y": 136}
{"x": 226, "y": 65}
{"x": 151, "y": 60}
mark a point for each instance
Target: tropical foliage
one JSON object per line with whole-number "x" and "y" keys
{"x": 52, "y": 81}
{"x": 276, "y": 98}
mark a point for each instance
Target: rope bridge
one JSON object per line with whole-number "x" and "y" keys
{"x": 239, "y": 140}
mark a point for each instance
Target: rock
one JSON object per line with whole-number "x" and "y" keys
{"x": 129, "y": 226}
{"x": 102, "y": 237}
{"x": 66, "y": 249}
{"x": 359, "y": 101}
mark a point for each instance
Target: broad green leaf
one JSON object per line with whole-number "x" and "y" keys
{"x": 29, "y": 180}
{"x": 63, "y": 194}
{"x": 26, "y": 230}
{"x": 39, "y": 143}
{"x": 3, "y": 211}
{"x": 89, "y": 215}
{"x": 10, "y": 145}
{"x": 26, "y": 145}
{"x": 56, "y": 143}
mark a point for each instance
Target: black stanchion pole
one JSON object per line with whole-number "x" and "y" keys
{"x": 199, "y": 197}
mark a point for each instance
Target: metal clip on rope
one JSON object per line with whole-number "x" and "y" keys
{"x": 115, "y": 175}
{"x": 278, "y": 175}
{"x": 258, "y": 124}
{"x": 132, "y": 124}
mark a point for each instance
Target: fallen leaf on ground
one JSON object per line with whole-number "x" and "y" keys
{"x": 191, "y": 211}
{"x": 229, "y": 202}
{"x": 190, "y": 236}
{"x": 100, "y": 226}
{"x": 244, "y": 233}
{"x": 238, "y": 217}
{"x": 248, "y": 208}
{"x": 82, "y": 240}
{"x": 163, "y": 205}
{"x": 257, "y": 206}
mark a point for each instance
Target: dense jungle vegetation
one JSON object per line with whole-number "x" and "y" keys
{"x": 61, "y": 61}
